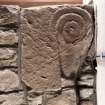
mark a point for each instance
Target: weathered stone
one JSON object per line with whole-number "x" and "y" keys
{"x": 35, "y": 101}
{"x": 8, "y": 57}
{"x": 86, "y": 93}
{"x": 9, "y": 81}
{"x": 67, "y": 83}
{"x": 87, "y": 80}
{"x": 40, "y": 66}
{"x": 75, "y": 33}
{"x": 88, "y": 67}
{"x": 58, "y": 41}
{"x": 66, "y": 98}
{"x": 52, "y": 36}
{"x": 60, "y": 100}
{"x": 12, "y": 99}
{"x": 71, "y": 93}
{"x": 9, "y": 17}
{"x": 8, "y": 38}
{"x": 87, "y": 103}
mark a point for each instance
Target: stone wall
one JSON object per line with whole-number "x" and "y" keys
{"x": 47, "y": 55}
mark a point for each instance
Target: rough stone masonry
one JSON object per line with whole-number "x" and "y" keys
{"x": 47, "y": 55}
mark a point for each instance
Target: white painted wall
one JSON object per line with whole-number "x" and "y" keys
{"x": 100, "y": 49}
{"x": 101, "y": 25}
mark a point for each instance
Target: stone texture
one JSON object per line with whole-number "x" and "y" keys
{"x": 58, "y": 46}
{"x": 12, "y": 99}
{"x": 8, "y": 17}
{"x": 75, "y": 34}
{"x": 66, "y": 98}
{"x": 35, "y": 101}
{"x": 8, "y": 38}
{"x": 40, "y": 66}
{"x": 86, "y": 80}
{"x": 86, "y": 93}
{"x": 15, "y": 70}
{"x": 9, "y": 81}
{"x": 8, "y": 57}
{"x": 52, "y": 36}
{"x": 87, "y": 103}
{"x": 67, "y": 83}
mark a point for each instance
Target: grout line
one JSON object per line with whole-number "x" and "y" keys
{"x": 19, "y": 58}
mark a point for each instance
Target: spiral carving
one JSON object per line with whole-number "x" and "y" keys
{"x": 72, "y": 23}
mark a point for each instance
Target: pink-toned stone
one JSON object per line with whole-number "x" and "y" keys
{"x": 40, "y": 65}
{"x": 56, "y": 41}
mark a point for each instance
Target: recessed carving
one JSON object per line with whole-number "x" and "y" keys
{"x": 72, "y": 23}
{"x": 55, "y": 44}
{"x": 74, "y": 34}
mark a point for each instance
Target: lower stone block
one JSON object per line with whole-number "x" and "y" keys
{"x": 87, "y": 103}
{"x": 12, "y": 99}
{"x": 8, "y": 38}
{"x": 87, "y": 80}
{"x": 65, "y": 98}
{"x": 9, "y": 81}
{"x": 86, "y": 93}
{"x": 56, "y": 53}
{"x": 8, "y": 57}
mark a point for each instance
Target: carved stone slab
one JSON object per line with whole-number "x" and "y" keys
{"x": 40, "y": 50}
{"x": 56, "y": 41}
{"x": 74, "y": 28}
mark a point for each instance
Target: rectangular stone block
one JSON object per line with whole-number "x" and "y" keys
{"x": 87, "y": 80}
{"x": 86, "y": 93}
{"x": 12, "y": 99}
{"x": 87, "y": 103}
{"x": 40, "y": 64}
{"x": 67, "y": 97}
{"x": 8, "y": 57}
{"x": 75, "y": 33}
{"x": 9, "y": 17}
{"x": 9, "y": 81}
{"x": 57, "y": 55}
{"x": 56, "y": 42}
{"x": 8, "y": 38}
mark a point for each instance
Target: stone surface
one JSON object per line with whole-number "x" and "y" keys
{"x": 9, "y": 81}
{"x": 87, "y": 103}
{"x": 75, "y": 34}
{"x": 35, "y": 101}
{"x": 67, "y": 83}
{"x": 12, "y": 99}
{"x": 58, "y": 45}
{"x": 8, "y": 38}
{"x": 86, "y": 93}
{"x": 8, "y": 17}
{"x": 86, "y": 80}
{"x": 52, "y": 36}
{"x": 40, "y": 66}
{"x": 66, "y": 98}
{"x": 88, "y": 66}
{"x": 8, "y": 57}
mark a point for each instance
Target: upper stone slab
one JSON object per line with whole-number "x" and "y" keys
{"x": 56, "y": 41}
